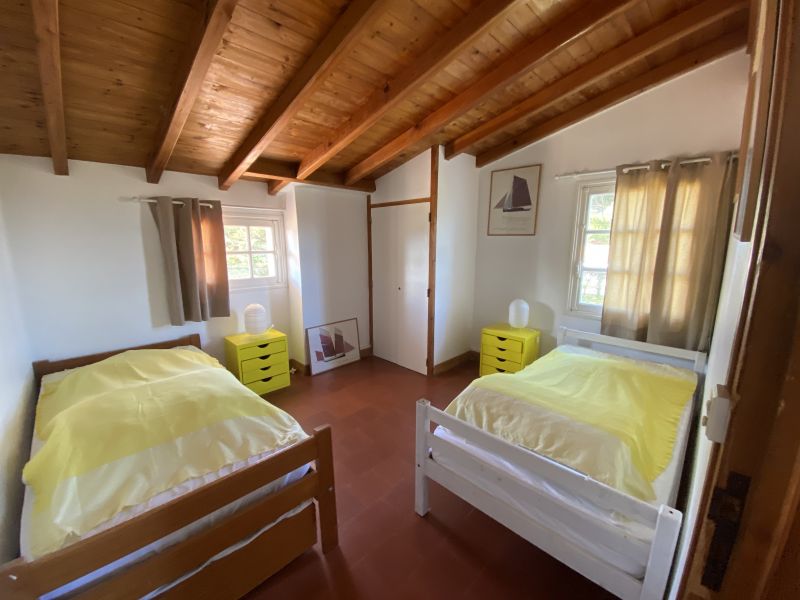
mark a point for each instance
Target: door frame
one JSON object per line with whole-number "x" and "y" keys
{"x": 432, "y": 218}
{"x": 762, "y": 444}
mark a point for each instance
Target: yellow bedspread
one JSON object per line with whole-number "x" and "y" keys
{"x": 613, "y": 418}
{"x": 125, "y": 429}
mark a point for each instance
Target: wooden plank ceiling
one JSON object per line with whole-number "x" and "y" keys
{"x": 329, "y": 91}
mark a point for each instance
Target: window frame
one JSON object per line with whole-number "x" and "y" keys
{"x": 259, "y": 217}
{"x": 603, "y": 185}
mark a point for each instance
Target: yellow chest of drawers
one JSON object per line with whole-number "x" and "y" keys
{"x": 261, "y": 362}
{"x": 506, "y": 349}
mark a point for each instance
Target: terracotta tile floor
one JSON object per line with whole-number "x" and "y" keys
{"x": 386, "y": 551}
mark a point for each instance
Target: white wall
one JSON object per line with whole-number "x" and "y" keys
{"x": 698, "y": 112}
{"x": 16, "y": 402}
{"x": 457, "y": 217}
{"x": 91, "y": 273}
{"x": 410, "y": 180}
{"x": 332, "y": 243}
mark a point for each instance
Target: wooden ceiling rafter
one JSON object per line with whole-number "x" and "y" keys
{"x": 210, "y": 38}
{"x": 277, "y": 171}
{"x": 464, "y": 33}
{"x": 48, "y": 51}
{"x": 575, "y": 24}
{"x": 411, "y": 75}
{"x": 647, "y": 43}
{"x": 684, "y": 63}
{"x": 337, "y": 42}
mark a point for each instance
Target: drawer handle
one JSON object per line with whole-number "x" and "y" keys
{"x": 501, "y": 339}
{"x": 500, "y": 370}
{"x": 266, "y": 368}
{"x": 266, "y": 380}
{"x": 502, "y": 350}
{"x": 501, "y": 359}
{"x": 263, "y": 345}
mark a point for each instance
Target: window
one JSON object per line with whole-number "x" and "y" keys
{"x": 254, "y": 247}
{"x": 590, "y": 250}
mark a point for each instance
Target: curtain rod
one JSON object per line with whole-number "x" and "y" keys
{"x": 666, "y": 163}
{"x": 152, "y": 200}
{"x": 149, "y": 200}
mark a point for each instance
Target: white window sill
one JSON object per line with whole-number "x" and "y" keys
{"x": 257, "y": 286}
{"x": 584, "y": 314}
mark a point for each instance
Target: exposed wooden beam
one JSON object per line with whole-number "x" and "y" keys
{"x": 276, "y": 172}
{"x": 678, "y": 66}
{"x": 573, "y": 25}
{"x": 48, "y": 50}
{"x": 654, "y": 39}
{"x": 210, "y": 38}
{"x": 442, "y": 52}
{"x": 338, "y": 42}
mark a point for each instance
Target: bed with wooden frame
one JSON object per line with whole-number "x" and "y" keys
{"x": 228, "y": 577}
{"x": 505, "y": 500}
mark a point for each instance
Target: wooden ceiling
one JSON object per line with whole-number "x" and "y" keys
{"x": 329, "y": 91}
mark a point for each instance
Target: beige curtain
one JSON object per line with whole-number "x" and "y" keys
{"x": 193, "y": 244}
{"x": 668, "y": 241}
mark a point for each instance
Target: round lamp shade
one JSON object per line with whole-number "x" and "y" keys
{"x": 518, "y": 313}
{"x": 255, "y": 319}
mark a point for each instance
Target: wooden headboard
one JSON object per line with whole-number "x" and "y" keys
{"x": 45, "y": 367}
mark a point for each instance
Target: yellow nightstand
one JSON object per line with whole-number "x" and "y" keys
{"x": 261, "y": 362}
{"x": 506, "y": 349}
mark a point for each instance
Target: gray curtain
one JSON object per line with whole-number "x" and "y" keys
{"x": 668, "y": 241}
{"x": 193, "y": 245}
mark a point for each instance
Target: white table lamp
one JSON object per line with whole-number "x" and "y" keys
{"x": 518, "y": 313}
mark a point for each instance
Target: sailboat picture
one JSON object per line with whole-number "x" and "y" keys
{"x": 332, "y": 345}
{"x": 518, "y": 198}
{"x": 513, "y": 202}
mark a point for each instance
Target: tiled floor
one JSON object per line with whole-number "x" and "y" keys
{"x": 386, "y": 551}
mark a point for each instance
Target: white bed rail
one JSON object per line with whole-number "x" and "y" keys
{"x": 690, "y": 358}
{"x": 664, "y": 521}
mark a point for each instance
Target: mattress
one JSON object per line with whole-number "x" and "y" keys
{"x": 162, "y": 498}
{"x": 665, "y": 487}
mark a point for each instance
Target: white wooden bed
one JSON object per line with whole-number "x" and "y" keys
{"x": 487, "y": 477}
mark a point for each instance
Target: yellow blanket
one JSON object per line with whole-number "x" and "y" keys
{"x": 125, "y": 429}
{"x": 613, "y": 418}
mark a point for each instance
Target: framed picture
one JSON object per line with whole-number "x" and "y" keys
{"x": 332, "y": 345}
{"x": 514, "y": 201}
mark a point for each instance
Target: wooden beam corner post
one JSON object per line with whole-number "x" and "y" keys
{"x": 48, "y": 50}
{"x": 209, "y": 39}
{"x": 326, "y": 492}
{"x": 432, "y": 256}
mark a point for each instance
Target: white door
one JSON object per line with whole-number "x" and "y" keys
{"x": 400, "y": 284}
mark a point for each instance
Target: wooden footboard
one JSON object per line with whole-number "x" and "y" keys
{"x": 546, "y": 532}
{"x": 230, "y": 577}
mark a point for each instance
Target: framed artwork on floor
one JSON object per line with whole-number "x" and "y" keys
{"x": 332, "y": 345}
{"x": 514, "y": 201}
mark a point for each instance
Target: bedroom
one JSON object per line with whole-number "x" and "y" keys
{"x": 358, "y": 160}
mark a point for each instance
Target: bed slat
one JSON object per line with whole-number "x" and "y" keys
{"x": 570, "y": 480}
{"x": 239, "y": 572}
{"x": 591, "y": 527}
{"x": 167, "y": 565}
{"x": 621, "y": 584}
